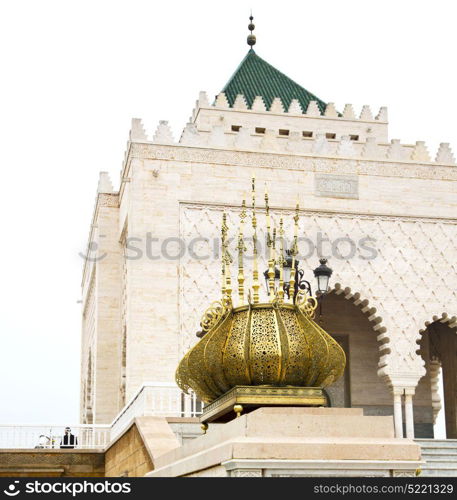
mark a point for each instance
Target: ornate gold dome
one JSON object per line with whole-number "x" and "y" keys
{"x": 275, "y": 344}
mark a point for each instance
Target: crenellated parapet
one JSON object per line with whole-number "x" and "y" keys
{"x": 277, "y": 106}
{"x": 261, "y": 112}
{"x": 328, "y": 133}
{"x": 105, "y": 186}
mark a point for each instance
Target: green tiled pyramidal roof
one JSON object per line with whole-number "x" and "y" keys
{"x": 254, "y": 77}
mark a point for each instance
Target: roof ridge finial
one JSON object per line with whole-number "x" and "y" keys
{"x": 251, "y": 37}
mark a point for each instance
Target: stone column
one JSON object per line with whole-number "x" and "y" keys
{"x": 398, "y": 416}
{"x": 409, "y": 416}
{"x": 448, "y": 347}
{"x": 434, "y": 370}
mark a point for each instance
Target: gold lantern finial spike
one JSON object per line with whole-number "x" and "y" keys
{"x": 267, "y": 215}
{"x": 226, "y": 259}
{"x": 223, "y": 238}
{"x": 271, "y": 263}
{"x": 241, "y": 249}
{"x": 255, "y": 272}
{"x": 272, "y": 266}
{"x": 281, "y": 262}
{"x": 294, "y": 252}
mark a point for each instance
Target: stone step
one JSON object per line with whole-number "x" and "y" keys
{"x": 440, "y": 460}
{"x": 441, "y": 443}
{"x": 439, "y": 451}
{"x": 437, "y": 446}
{"x": 442, "y": 463}
{"x": 439, "y": 465}
{"x": 440, "y": 457}
{"x": 438, "y": 473}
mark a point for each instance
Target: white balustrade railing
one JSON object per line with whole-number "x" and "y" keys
{"x": 51, "y": 436}
{"x": 158, "y": 399}
{"x": 152, "y": 399}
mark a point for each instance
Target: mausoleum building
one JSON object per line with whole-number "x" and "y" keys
{"x": 382, "y": 212}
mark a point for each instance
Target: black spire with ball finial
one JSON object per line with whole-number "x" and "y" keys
{"x": 251, "y": 37}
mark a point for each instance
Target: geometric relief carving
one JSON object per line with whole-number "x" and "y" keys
{"x": 404, "y": 266}
{"x": 246, "y": 473}
{"x": 404, "y": 473}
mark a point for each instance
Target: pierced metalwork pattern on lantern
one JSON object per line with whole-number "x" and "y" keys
{"x": 214, "y": 352}
{"x": 236, "y": 351}
{"x": 319, "y": 356}
{"x": 297, "y": 364}
{"x": 265, "y": 344}
{"x": 265, "y": 350}
{"x": 205, "y": 388}
{"x": 183, "y": 378}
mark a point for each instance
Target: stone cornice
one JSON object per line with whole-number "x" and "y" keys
{"x": 346, "y": 214}
{"x": 308, "y": 163}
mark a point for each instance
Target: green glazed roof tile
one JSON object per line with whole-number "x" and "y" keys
{"x": 254, "y": 77}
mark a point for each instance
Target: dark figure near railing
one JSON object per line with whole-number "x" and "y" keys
{"x": 69, "y": 440}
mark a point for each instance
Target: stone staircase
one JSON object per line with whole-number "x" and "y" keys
{"x": 440, "y": 456}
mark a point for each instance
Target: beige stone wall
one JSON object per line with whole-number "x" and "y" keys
{"x": 101, "y": 315}
{"x": 107, "y": 381}
{"x": 128, "y": 456}
{"x": 52, "y": 463}
{"x": 152, "y": 309}
{"x": 88, "y": 336}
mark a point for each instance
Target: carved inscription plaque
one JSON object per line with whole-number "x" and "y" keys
{"x": 336, "y": 186}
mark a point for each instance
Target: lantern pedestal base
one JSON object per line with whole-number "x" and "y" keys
{"x": 293, "y": 442}
{"x": 246, "y": 398}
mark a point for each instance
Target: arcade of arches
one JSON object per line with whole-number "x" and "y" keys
{"x": 361, "y": 387}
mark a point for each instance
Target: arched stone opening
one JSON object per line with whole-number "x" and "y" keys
{"x": 438, "y": 348}
{"x": 353, "y": 322}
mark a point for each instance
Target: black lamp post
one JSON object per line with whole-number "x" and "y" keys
{"x": 322, "y": 274}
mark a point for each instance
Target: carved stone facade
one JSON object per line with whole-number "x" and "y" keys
{"x": 383, "y": 213}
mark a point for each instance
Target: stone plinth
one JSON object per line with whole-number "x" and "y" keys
{"x": 295, "y": 442}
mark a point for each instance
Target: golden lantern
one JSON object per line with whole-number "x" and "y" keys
{"x": 260, "y": 353}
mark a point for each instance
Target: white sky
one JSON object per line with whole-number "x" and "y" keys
{"x": 73, "y": 74}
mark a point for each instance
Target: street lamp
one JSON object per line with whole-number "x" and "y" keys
{"x": 322, "y": 274}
